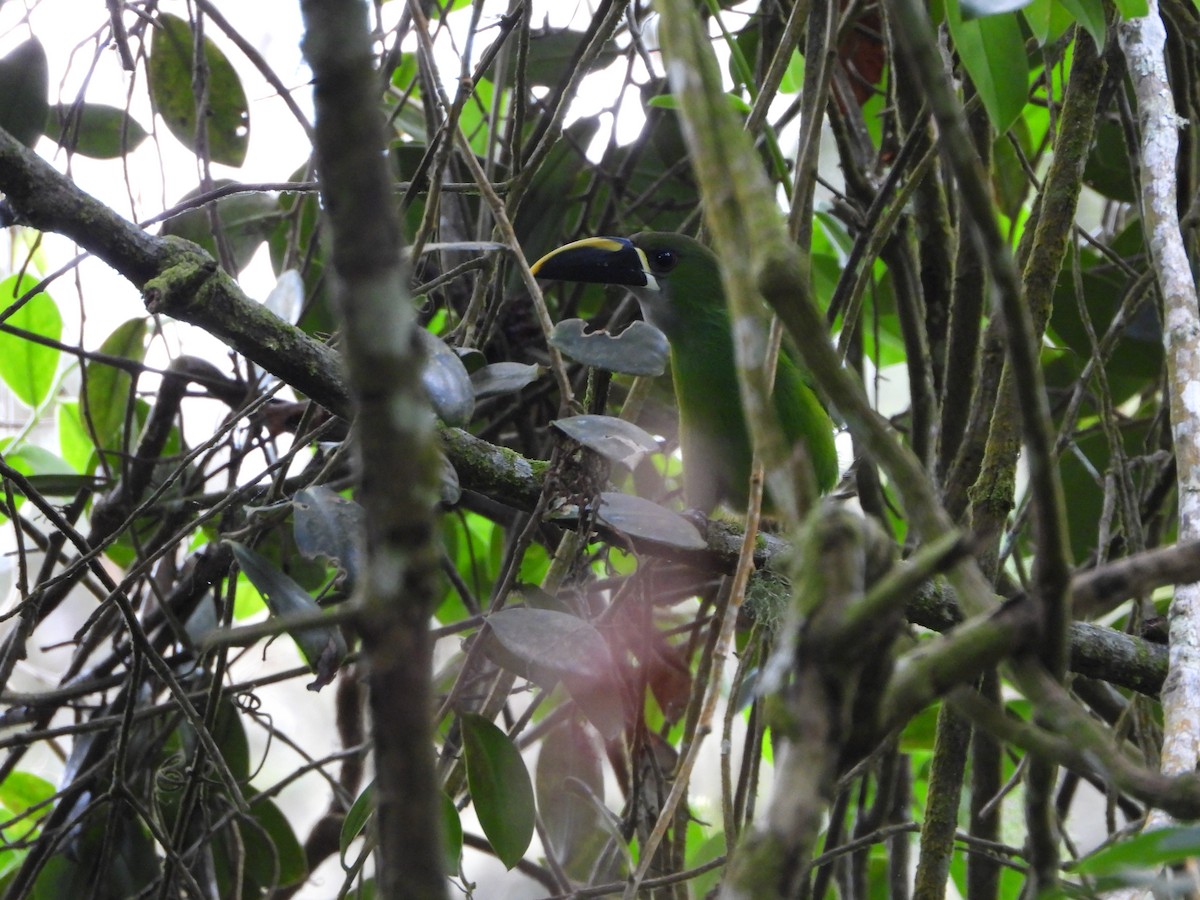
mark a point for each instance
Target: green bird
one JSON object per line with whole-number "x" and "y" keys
{"x": 677, "y": 282}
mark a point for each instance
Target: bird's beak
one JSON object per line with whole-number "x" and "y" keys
{"x": 597, "y": 260}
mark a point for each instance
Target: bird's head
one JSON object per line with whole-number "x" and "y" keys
{"x": 672, "y": 275}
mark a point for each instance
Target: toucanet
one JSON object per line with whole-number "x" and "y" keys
{"x": 677, "y": 282}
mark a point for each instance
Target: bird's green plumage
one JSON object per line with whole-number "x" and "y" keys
{"x": 680, "y": 291}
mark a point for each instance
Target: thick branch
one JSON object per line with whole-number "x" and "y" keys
{"x": 1142, "y": 40}
{"x": 177, "y": 277}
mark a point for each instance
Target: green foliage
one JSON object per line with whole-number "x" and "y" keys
{"x": 577, "y": 622}
{"x": 171, "y": 73}
{"x": 244, "y": 220}
{"x": 1132, "y": 863}
{"x": 94, "y": 129}
{"x": 110, "y": 855}
{"x": 25, "y": 800}
{"x": 273, "y": 855}
{"x": 993, "y": 53}
{"x": 106, "y": 400}
{"x": 323, "y": 647}
{"x": 28, "y": 367}
{"x": 359, "y": 817}
{"x": 356, "y": 819}
{"x": 553, "y": 51}
{"x": 73, "y": 437}
{"x": 24, "y": 84}
{"x": 500, "y": 788}
{"x": 1090, "y": 15}
{"x": 452, "y": 836}
{"x": 570, "y": 788}
{"x": 1048, "y": 19}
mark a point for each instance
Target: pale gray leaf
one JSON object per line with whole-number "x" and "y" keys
{"x": 613, "y": 438}
{"x": 641, "y": 349}
{"x": 503, "y": 378}
{"x": 446, "y": 381}
{"x": 640, "y": 518}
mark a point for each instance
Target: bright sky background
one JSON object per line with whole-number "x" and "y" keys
{"x": 160, "y": 171}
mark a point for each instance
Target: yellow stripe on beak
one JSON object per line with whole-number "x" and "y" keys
{"x": 598, "y": 260}
{"x": 592, "y": 243}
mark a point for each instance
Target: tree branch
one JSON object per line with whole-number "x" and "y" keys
{"x": 1142, "y": 40}
{"x": 399, "y": 592}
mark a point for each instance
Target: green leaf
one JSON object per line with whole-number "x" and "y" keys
{"x": 1138, "y": 355}
{"x": 737, "y": 104}
{"x": 363, "y": 809}
{"x": 452, "y": 834}
{"x": 476, "y": 114}
{"x": 404, "y": 76}
{"x": 1132, "y": 9}
{"x": 743, "y": 52}
{"x": 977, "y": 9}
{"x": 106, "y": 391}
{"x": 227, "y": 122}
{"x": 1089, "y": 14}
{"x": 500, "y": 788}
{"x": 328, "y": 525}
{"x": 1010, "y": 185}
{"x": 663, "y": 101}
{"x": 641, "y": 349}
{"x": 49, "y": 475}
{"x": 503, "y": 378}
{"x": 921, "y": 730}
{"x": 60, "y": 877}
{"x": 1107, "y": 170}
{"x": 793, "y": 75}
{"x": 94, "y": 129}
{"x": 614, "y": 439}
{"x": 131, "y": 861}
{"x": 546, "y": 646}
{"x": 27, "y": 367}
{"x": 322, "y": 646}
{"x": 356, "y": 820}
{"x": 569, "y": 775}
{"x": 553, "y": 53}
{"x": 1047, "y": 19}
{"x": 445, "y": 379}
{"x": 24, "y": 86}
{"x": 22, "y": 790}
{"x": 1079, "y": 481}
{"x": 408, "y": 124}
{"x": 1145, "y": 851}
{"x": 670, "y": 101}
{"x": 73, "y": 440}
{"x": 273, "y": 855}
{"x": 247, "y": 220}
{"x": 64, "y": 484}
{"x": 254, "y": 854}
{"x": 993, "y": 52}
{"x": 701, "y": 852}
{"x": 638, "y": 517}
{"x": 229, "y": 733}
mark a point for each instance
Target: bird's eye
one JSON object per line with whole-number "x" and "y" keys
{"x": 664, "y": 260}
